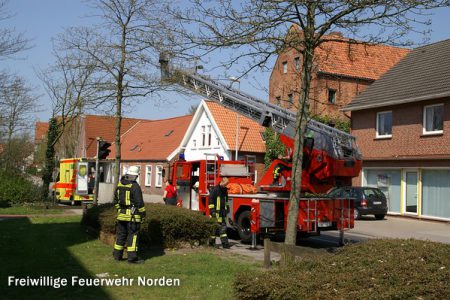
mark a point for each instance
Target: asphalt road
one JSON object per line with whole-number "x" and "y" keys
{"x": 367, "y": 228}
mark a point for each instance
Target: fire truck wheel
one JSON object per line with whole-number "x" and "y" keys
{"x": 72, "y": 202}
{"x": 244, "y": 227}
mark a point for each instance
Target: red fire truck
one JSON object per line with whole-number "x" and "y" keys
{"x": 330, "y": 158}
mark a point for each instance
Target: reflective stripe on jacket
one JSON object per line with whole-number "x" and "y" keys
{"x": 129, "y": 202}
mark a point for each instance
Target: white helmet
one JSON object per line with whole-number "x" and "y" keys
{"x": 133, "y": 170}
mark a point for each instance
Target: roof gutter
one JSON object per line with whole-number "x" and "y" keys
{"x": 395, "y": 102}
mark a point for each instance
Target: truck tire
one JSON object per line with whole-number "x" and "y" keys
{"x": 243, "y": 224}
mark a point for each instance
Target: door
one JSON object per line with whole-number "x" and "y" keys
{"x": 411, "y": 192}
{"x": 183, "y": 182}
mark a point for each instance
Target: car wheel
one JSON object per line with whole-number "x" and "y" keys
{"x": 244, "y": 230}
{"x": 356, "y": 214}
{"x": 379, "y": 217}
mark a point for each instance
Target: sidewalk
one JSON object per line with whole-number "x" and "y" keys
{"x": 404, "y": 228}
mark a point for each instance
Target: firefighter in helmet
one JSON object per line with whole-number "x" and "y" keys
{"x": 218, "y": 209}
{"x": 131, "y": 212}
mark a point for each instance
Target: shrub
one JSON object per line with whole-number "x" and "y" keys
{"x": 376, "y": 269}
{"x": 167, "y": 226}
{"x": 15, "y": 189}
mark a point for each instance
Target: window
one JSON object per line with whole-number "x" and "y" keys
{"x": 148, "y": 175}
{"x": 278, "y": 100}
{"x": 384, "y": 124}
{"x": 285, "y": 67}
{"x": 331, "y": 96}
{"x": 297, "y": 64}
{"x": 209, "y": 135}
{"x": 158, "y": 179}
{"x": 263, "y": 136}
{"x": 203, "y": 136}
{"x": 290, "y": 100}
{"x": 433, "y": 118}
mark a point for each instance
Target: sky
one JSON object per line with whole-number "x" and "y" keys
{"x": 40, "y": 20}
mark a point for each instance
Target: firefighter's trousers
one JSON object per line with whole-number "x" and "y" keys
{"x": 127, "y": 233}
{"x": 221, "y": 232}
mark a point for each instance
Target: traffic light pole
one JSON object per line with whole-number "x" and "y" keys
{"x": 97, "y": 173}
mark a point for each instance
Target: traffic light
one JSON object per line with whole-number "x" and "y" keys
{"x": 103, "y": 150}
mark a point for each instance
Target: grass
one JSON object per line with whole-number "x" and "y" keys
{"x": 58, "y": 247}
{"x": 376, "y": 269}
{"x": 30, "y": 210}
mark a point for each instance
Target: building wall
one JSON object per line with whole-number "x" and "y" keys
{"x": 407, "y": 138}
{"x": 149, "y": 185}
{"x": 412, "y": 168}
{"x": 413, "y": 188}
{"x": 196, "y": 149}
{"x": 282, "y": 84}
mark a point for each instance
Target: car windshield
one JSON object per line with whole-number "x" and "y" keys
{"x": 372, "y": 192}
{"x": 343, "y": 192}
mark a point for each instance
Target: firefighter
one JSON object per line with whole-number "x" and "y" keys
{"x": 278, "y": 169}
{"x": 218, "y": 209}
{"x": 131, "y": 212}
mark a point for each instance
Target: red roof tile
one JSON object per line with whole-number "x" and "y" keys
{"x": 342, "y": 56}
{"x": 103, "y": 126}
{"x": 249, "y": 135}
{"x": 153, "y": 140}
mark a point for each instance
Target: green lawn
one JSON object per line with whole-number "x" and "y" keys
{"x": 31, "y": 210}
{"x": 58, "y": 247}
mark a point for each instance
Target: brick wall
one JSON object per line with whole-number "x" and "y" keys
{"x": 407, "y": 137}
{"x": 282, "y": 84}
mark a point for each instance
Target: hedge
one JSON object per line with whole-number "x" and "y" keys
{"x": 166, "y": 226}
{"x": 16, "y": 189}
{"x": 376, "y": 269}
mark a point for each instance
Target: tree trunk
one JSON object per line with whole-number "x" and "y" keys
{"x": 118, "y": 119}
{"x": 301, "y": 122}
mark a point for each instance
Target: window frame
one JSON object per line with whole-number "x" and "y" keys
{"x": 208, "y": 132}
{"x": 278, "y": 100}
{"x": 424, "y": 126}
{"x": 148, "y": 179}
{"x": 158, "y": 174}
{"x": 290, "y": 100}
{"x": 377, "y": 129}
{"x": 284, "y": 67}
{"x": 334, "y": 93}
{"x": 203, "y": 136}
{"x": 297, "y": 63}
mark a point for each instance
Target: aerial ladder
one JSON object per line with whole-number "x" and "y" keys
{"x": 331, "y": 156}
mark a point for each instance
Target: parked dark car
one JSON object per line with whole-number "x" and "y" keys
{"x": 368, "y": 200}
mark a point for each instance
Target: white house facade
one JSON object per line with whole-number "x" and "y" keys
{"x": 204, "y": 137}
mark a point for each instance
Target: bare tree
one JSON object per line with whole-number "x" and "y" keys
{"x": 11, "y": 42}
{"x": 71, "y": 85}
{"x": 256, "y": 30}
{"x": 120, "y": 53}
{"x": 17, "y": 105}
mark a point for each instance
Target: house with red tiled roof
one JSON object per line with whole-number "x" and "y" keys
{"x": 342, "y": 69}
{"x": 152, "y": 146}
{"x": 218, "y": 131}
{"x": 402, "y": 125}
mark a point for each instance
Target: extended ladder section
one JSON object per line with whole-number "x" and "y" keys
{"x": 336, "y": 142}
{"x": 211, "y": 170}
